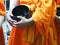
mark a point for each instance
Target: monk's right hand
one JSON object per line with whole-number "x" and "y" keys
{"x": 9, "y": 19}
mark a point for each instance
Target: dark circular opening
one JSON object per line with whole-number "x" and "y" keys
{"x": 20, "y": 10}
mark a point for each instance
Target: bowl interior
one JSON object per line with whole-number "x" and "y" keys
{"x": 20, "y": 10}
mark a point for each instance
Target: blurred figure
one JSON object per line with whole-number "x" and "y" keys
{"x": 57, "y": 21}
{"x": 2, "y": 15}
{"x": 37, "y": 30}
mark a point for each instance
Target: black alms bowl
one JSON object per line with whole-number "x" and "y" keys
{"x": 21, "y": 10}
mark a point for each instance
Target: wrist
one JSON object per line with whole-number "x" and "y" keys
{"x": 30, "y": 21}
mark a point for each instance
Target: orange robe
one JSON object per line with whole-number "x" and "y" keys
{"x": 2, "y": 12}
{"x": 58, "y": 2}
{"x": 43, "y": 31}
{"x": 57, "y": 24}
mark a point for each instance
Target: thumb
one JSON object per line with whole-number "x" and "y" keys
{"x": 20, "y": 17}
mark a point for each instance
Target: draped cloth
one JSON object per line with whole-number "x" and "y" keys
{"x": 2, "y": 13}
{"x": 2, "y": 8}
{"x": 58, "y": 2}
{"x": 43, "y": 31}
{"x": 2, "y": 41}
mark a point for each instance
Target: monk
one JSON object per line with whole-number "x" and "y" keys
{"x": 57, "y": 23}
{"x": 2, "y": 15}
{"x": 37, "y": 30}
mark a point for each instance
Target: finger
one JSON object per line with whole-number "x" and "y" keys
{"x": 10, "y": 23}
{"x": 10, "y": 19}
{"x": 18, "y": 22}
{"x": 20, "y": 17}
{"x": 16, "y": 25}
{"x": 11, "y": 15}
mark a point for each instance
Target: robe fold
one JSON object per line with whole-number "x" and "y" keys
{"x": 2, "y": 12}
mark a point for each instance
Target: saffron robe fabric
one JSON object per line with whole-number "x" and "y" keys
{"x": 43, "y": 31}
{"x": 2, "y": 12}
{"x": 58, "y": 2}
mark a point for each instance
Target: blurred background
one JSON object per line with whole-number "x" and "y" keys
{"x": 6, "y": 25}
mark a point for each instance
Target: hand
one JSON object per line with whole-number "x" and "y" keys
{"x": 23, "y": 22}
{"x": 9, "y": 19}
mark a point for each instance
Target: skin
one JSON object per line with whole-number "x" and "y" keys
{"x": 2, "y": 19}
